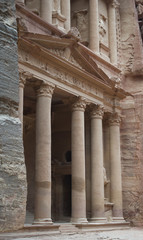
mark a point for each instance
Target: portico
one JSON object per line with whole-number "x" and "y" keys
{"x": 62, "y": 130}
{"x": 70, "y": 174}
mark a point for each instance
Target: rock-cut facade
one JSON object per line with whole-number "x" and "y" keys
{"x": 71, "y": 97}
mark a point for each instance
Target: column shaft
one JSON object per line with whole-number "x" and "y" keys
{"x": 43, "y": 155}
{"x": 93, "y": 26}
{"x": 115, "y": 165}
{"x": 46, "y": 10}
{"x": 78, "y": 163}
{"x": 97, "y": 179}
{"x": 66, "y": 11}
{"x": 112, "y": 32}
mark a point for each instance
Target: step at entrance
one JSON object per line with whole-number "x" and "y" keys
{"x": 68, "y": 228}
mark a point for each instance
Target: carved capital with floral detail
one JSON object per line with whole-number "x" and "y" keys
{"x": 46, "y": 90}
{"x": 79, "y": 105}
{"x": 97, "y": 111}
{"x": 114, "y": 119}
{"x": 23, "y": 76}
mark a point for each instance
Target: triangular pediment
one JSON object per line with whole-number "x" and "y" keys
{"x": 69, "y": 51}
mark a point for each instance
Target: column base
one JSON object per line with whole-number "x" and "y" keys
{"x": 98, "y": 220}
{"x": 118, "y": 219}
{"x": 43, "y": 221}
{"x": 79, "y": 220}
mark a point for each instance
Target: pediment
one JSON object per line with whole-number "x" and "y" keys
{"x": 68, "y": 50}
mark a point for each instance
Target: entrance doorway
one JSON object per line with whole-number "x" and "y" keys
{"x": 67, "y": 196}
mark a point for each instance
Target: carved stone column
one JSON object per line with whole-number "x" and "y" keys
{"x": 97, "y": 178}
{"x": 112, "y": 30}
{"x": 43, "y": 155}
{"x": 115, "y": 167}
{"x": 78, "y": 163}
{"x": 22, "y": 81}
{"x": 46, "y": 10}
{"x": 93, "y": 26}
{"x": 66, "y": 11}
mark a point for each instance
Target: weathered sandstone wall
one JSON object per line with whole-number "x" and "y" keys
{"x": 12, "y": 167}
{"x": 132, "y": 124}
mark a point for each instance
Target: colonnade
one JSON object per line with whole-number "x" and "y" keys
{"x": 43, "y": 159}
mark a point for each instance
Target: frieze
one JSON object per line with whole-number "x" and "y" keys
{"x": 108, "y": 99}
{"x": 62, "y": 76}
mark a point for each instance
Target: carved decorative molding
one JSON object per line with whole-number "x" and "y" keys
{"x": 97, "y": 111}
{"x": 67, "y": 56}
{"x": 79, "y": 104}
{"x": 114, "y": 119}
{"x": 45, "y": 90}
{"x": 59, "y": 75}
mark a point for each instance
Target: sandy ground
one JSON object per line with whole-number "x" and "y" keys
{"x": 128, "y": 234}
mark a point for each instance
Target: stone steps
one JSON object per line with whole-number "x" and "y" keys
{"x": 68, "y": 228}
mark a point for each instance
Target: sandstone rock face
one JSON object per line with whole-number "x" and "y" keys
{"x": 132, "y": 127}
{"x": 12, "y": 167}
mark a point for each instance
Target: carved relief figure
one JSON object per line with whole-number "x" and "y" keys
{"x": 102, "y": 26}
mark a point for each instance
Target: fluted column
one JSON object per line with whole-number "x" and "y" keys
{"x": 112, "y": 30}
{"x": 66, "y": 11}
{"x": 43, "y": 155}
{"x": 22, "y": 81}
{"x": 97, "y": 179}
{"x": 46, "y": 7}
{"x": 115, "y": 167}
{"x": 93, "y": 26}
{"x": 78, "y": 163}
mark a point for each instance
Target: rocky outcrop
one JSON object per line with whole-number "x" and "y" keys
{"x": 131, "y": 43}
{"x": 132, "y": 160}
{"x": 12, "y": 166}
{"x": 132, "y": 127}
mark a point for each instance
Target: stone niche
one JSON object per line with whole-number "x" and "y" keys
{"x": 103, "y": 29}
{"x": 33, "y": 5}
{"x": 79, "y": 18}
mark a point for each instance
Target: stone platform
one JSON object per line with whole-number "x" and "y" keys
{"x": 60, "y": 229}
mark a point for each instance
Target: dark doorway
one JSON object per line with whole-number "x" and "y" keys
{"x": 67, "y": 196}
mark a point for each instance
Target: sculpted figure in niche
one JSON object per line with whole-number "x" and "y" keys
{"x": 57, "y": 5}
{"x": 81, "y": 18}
{"x": 106, "y": 181}
{"x": 102, "y": 26}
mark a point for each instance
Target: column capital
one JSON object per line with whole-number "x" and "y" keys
{"x": 46, "y": 90}
{"x": 79, "y": 104}
{"x": 114, "y": 119}
{"x": 23, "y": 76}
{"x": 97, "y": 111}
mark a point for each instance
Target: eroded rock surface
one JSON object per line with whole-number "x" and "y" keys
{"x": 12, "y": 167}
